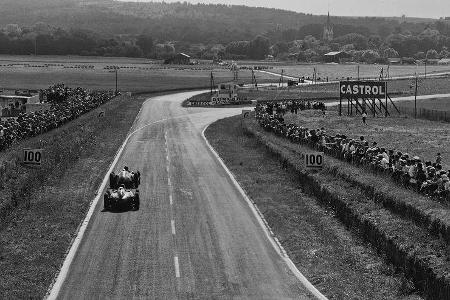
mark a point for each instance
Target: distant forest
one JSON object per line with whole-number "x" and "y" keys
{"x": 158, "y": 30}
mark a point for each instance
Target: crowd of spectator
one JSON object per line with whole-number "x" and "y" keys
{"x": 426, "y": 177}
{"x": 279, "y": 108}
{"x": 66, "y": 104}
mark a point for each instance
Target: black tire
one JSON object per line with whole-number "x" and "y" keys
{"x": 106, "y": 203}
{"x": 112, "y": 180}
{"x": 136, "y": 201}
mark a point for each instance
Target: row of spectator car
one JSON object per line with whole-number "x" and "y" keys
{"x": 426, "y": 177}
{"x": 66, "y": 104}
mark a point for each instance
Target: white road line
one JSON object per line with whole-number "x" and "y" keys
{"x": 177, "y": 266}
{"x": 172, "y": 223}
{"x": 260, "y": 218}
{"x": 55, "y": 287}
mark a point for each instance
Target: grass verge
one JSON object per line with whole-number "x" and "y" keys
{"x": 339, "y": 264}
{"x": 399, "y": 236}
{"x": 42, "y": 208}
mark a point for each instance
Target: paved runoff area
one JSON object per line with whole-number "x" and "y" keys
{"x": 194, "y": 236}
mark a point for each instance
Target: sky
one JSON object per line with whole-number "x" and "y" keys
{"x": 388, "y": 8}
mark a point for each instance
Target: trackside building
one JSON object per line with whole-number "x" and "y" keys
{"x": 12, "y": 105}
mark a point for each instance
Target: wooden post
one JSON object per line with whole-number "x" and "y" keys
{"x": 116, "y": 79}
{"x": 415, "y": 100}
{"x": 385, "y": 98}
{"x": 374, "y": 108}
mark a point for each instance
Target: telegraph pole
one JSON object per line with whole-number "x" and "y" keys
{"x": 415, "y": 97}
{"x": 212, "y": 84}
{"x": 254, "y": 80}
{"x": 426, "y": 67}
{"x": 115, "y": 69}
{"x": 281, "y": 78}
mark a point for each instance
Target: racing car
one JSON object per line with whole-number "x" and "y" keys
{"x": 121, "y": 198}
{"x": 123, "y": 192}
{"x": 130, "y": 180}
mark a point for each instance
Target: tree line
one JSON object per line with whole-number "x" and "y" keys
{"x": 410, "y": 40}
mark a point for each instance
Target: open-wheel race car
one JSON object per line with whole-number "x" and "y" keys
{"x": 130, "y": 180}
{"x": 123, "y": 192}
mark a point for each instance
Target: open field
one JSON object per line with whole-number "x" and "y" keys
{"x": 135, "y": 75}
{"x": 336, "y": 261}
{"x": 141, "y": 75}
{"x": 433, "y": 109}
{"x": 440, "y": 104}
{"x": 342, "y": 71}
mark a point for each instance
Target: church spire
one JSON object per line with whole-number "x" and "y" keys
{"x": 328, "y": 29}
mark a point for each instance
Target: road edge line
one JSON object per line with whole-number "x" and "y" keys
{"x": 55, "y": 286}
{"x": 265, "y": 226}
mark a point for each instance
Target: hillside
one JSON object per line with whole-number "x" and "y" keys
{"x": 182, "y": 21}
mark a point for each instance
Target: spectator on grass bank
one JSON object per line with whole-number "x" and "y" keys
{"x": 66, "y": 104}
{"x": 438, "y": 158}
{"x": 364, "y": 117}
{"x": 410, "y": 171}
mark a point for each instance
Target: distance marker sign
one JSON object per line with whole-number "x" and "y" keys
{"x": 246, "y": 113}
{"x": 314, "y": 160}
{"x": 32, "y": 157}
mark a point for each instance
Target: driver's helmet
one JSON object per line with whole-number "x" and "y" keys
{"x": 121, "y": 190}
{"x": 125, "y": 168}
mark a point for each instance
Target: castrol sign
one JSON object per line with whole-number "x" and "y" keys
{"x": 362, "y": 89}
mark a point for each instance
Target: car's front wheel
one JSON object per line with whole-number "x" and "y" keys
{"x": 106, "y": 204}
{"x": 136, "y": 202}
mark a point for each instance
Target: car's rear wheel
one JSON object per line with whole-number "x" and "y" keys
{"x": 112, "y": 180}
{"x": 136, "y": 201}
{"x": 106, "y": 203}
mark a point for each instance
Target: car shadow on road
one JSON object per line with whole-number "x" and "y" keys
{"x": 119, "y": 210}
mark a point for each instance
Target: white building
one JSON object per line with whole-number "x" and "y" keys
{"x": 13, "y": 105}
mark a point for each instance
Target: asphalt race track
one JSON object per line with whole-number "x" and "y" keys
{"x": 194, "y": 237}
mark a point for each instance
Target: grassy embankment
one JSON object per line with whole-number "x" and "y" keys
{"x": 415, "y": 137}
{"x": 411, "y": 231}
{"x": 42, "y": 208}
{"x": 337, "y": 262}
